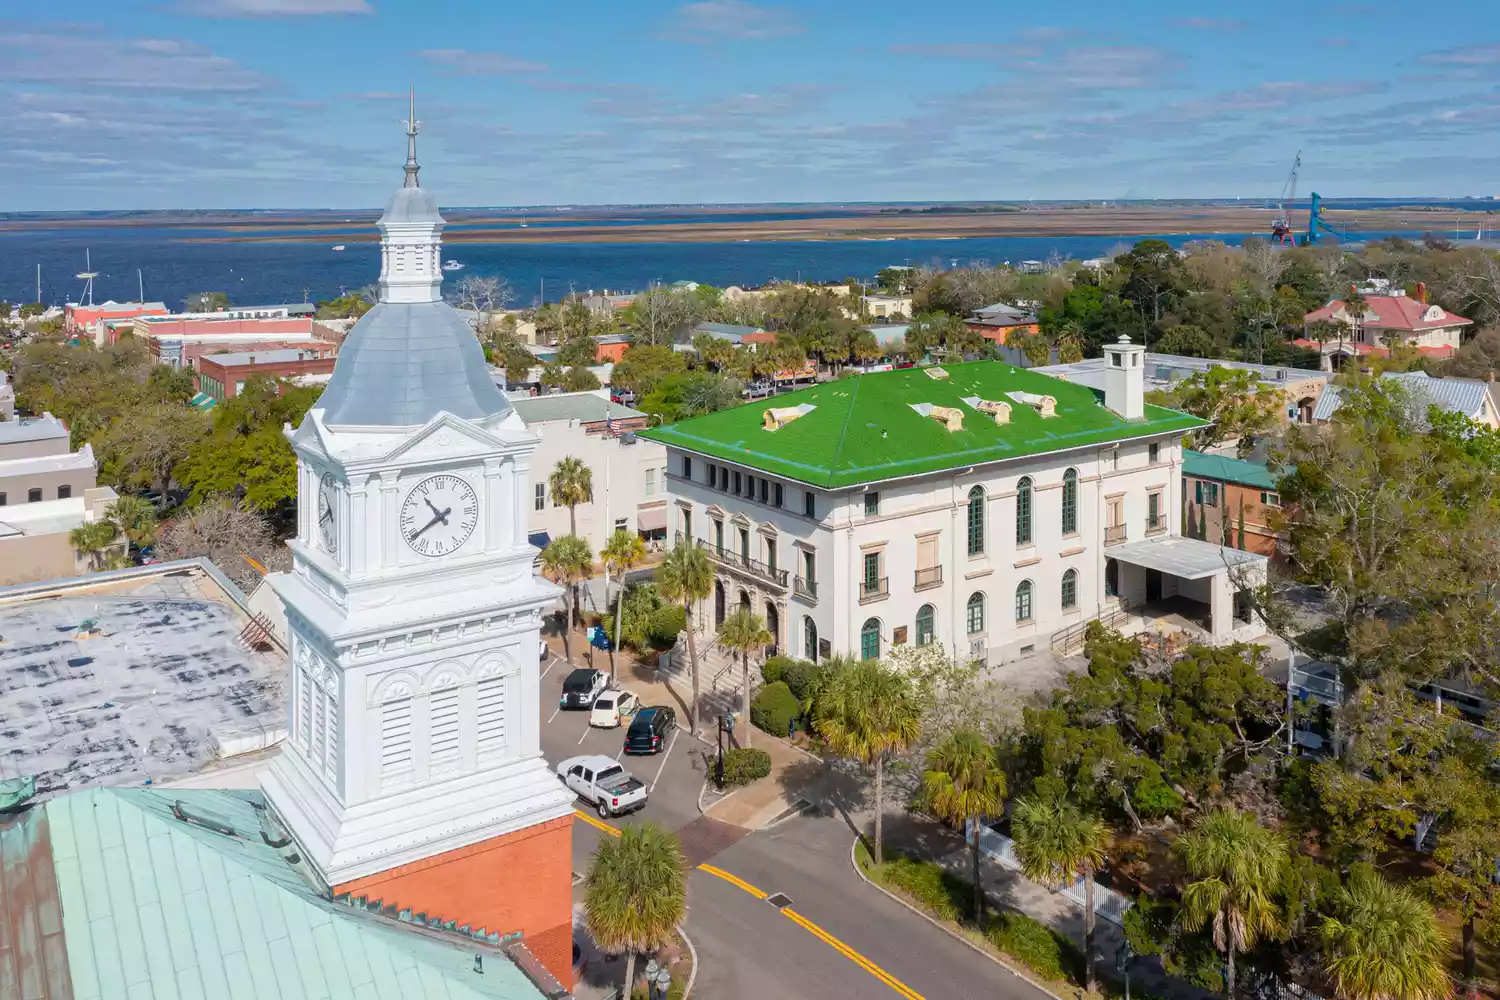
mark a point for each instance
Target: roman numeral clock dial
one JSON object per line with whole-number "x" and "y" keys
{"x": 438, "y": 515}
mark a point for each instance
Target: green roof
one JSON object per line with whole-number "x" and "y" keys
{"x": 863, "y": 429}
{"x": 1227, "y": 470}
{"x": 126, "y": 898}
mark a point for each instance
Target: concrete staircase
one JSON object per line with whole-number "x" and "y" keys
{"x": 719, "y": 675}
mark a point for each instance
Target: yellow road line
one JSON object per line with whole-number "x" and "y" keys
{"x": 734, "y": 880}
{"x": 822, "y": 935}
{"x": 598, "y": 824}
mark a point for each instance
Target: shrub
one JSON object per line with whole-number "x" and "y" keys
{"x": 667, "y": 623}
{"x": 941, "y": 893}
{"x": 743, "y": 765}
{"x": 1037, "y": 946}
{"x": 775, "y": 669}
{"x": 1154, "y": 798}
{"x": 774, "y": 708}
{"x": 802, "y": 677}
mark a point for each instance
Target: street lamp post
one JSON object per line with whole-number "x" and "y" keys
{"x": 719, "y": 762}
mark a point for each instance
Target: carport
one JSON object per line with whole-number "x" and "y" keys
{"x": 1208, "y": 585}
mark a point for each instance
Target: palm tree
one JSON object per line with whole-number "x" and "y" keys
{"x": 1383, "y": 943}
{"x": 91, "y": 539}
{"x": 135, "y": 518}
{"x": 1237, "y": 866}
{"x": 1056, "y": 843}
{"x": 572, "y": 483}
{"x": 623, "y": 552}
{"x": 686, "y": 577}
{"x": 635, "y": 894}
{"x": 567, "y": 561}
{"x": 963, "y": 784}
{"x": 742, "y": 631}
{"x": 870, "y": 711}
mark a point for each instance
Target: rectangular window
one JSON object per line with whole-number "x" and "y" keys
{"x": 719, "y": 536}
{"x": 34, "y": 496}
{"x": 2, "y": 499}
{"x": 765, "y": 491}
{"x": 622, "y": 524}
{"x": 1198, "y": 491}
{"x": 745, "y": 546}
{"x": 872, "y": 504}
{"x": 771, "y": 554}
{"x": 490, "y": 715}
{"x": 443, "y": 730}
{"x": 650, "y": 486}
{"x": 1153, "y": 508}
{"x": 1154, "y": 453}
{"x": 64, "y": 492}
{"x": 687, "y": 524}
{"x": 872, "y": 571}
{"x": 809, "y": 504}
{"x": 687, "y": 467}
{"x": 927, "y": 552}
{"x": 777, "y": 494}
{"x": 1212, "y": 492}
{"x": 809, "y": 566}
{"x": 723, "y": 479}
{"x": 541, "y": 496}
{"x": 713, "y": 475}
{"x": 1270, "y": 499}
{"x": 736, "y": 482}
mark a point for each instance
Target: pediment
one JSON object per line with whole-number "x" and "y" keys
{"x": 310, "y": 438}
{"x": 741, "y": 520}
{"x": 444, "y": 437}
{"x": 714, "y": 510}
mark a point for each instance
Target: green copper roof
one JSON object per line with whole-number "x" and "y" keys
{"x": 158, "y": 904}
{"x": 1227, "y": 470}
{"x": 864, "y": 429}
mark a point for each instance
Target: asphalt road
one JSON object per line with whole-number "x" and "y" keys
{"x": 778, "y": 913}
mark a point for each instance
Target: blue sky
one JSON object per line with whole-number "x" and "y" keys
{"x": 294, "y": 103}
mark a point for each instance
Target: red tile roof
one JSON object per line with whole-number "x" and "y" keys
{"x": 1331, "y": 346}
{"x": 1393, "y": 312}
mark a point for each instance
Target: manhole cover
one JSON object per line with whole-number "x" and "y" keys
{"x": 779, "y": 900}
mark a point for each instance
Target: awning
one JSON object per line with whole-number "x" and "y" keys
{"x": 203, "y": 401}
{"x": 651, "y": 519}
{"x": 540, "y": 539}
{"x": 1184, "y": 558}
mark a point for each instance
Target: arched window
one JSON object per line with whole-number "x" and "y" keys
{"x": 924, "y": 624}
{"x": 974, "y": 618}
{"x": 869, "y": 640}
{"x": 976, "y": 520}
{"x": 1070, "y": 502}
{"x": 1023, "y": 601}
{"x": 1111, "y": 578}
{"x": 809, "y": 639}
{"x": 1070, "y": 590}
{"x": 1023, "y": 511}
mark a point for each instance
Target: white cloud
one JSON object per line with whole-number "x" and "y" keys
{"x": 274, "y": 8}
{"x": 462, "y": 62}
{"x": 1486, "y": 54}
{"x": 732, "y": 20}
{"x": 164, "y": 64}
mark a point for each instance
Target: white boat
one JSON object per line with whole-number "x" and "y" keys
{"x": 452, "y": 265}
{"x": 339, "y": 246}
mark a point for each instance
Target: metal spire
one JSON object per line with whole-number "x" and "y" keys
{"x": 412, "y": 127}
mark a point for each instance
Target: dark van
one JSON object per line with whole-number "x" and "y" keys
{"x": 649, "y": 730}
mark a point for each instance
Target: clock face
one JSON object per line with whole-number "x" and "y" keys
{"x": 439, "y": 515}
{"x": 328, "y": 525}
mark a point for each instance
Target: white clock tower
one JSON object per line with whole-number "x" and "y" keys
{"x": 413, "y": 607}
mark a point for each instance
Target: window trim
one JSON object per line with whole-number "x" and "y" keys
{"x": 974, "y": 624}
{"x": 975, "y": 521}
{"x": 1070, "y": 589}
{"x": 1028, "y": 589}
{"x": 1070, "y": 502}
{"x": 930, "y": 635}
{"x": 1025, "y": 535}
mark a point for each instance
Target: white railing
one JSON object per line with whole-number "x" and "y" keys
{"x": 1107, "y": 903}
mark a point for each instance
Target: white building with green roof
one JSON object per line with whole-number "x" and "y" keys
{"x": 990, "y": 508}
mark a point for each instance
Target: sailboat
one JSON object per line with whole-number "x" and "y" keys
{"x": 338, "y": 246}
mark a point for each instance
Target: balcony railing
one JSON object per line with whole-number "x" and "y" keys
{"x": 1156, "y": 524}
{"x": 1114, "y": 534}
{"x": 874, "y": 590}
{"x": 805, "y": 588}
{"x": 740, "y": 561}
{"x": 929, "y": 576}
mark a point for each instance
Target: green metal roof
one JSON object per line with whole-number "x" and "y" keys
{"x": 158, "y": 905}
{"x": 1227, "y": 470}
{"x": 864, "y": 429}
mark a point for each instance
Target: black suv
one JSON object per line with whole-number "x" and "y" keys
{"x": 581, "y": 687}
{"x": 648, "y": 731}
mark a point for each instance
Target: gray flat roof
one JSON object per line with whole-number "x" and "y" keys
{"x": 142, "y": 698}
{"x": 257, "y": 357}
{"x": 1164, "y": 368}
{"x": 32, "y": 429}
{"x": 1185, "y": 558}
{"x": 581, "y": 406}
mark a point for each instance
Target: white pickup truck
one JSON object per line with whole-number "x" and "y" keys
{"x": 602, "y": 783}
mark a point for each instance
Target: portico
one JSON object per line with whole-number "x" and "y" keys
{"x": 1206, "y": 585}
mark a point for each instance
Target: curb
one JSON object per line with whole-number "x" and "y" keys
{"x": 854, "y": 862}
{"x": 687, "y": 990}
{"x": 703, "y": 811}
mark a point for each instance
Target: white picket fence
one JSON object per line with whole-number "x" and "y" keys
{"x": 1108, "y": 904}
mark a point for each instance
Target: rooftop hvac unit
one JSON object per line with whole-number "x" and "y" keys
{"x": 627, "y": 437}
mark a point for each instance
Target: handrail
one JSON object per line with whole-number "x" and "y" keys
{"x": 1063, "y": 640}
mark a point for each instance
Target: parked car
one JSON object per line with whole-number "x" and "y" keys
{"x": 648, "y": 732}
{"x": 603, "y": 784}
{"x": 582, "y": 686}
{"x": 612, "y": 708}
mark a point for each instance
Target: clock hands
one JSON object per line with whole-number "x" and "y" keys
{"x": 438, "y": 516}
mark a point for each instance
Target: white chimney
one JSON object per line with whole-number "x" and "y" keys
{"x": 1125, "y": 378}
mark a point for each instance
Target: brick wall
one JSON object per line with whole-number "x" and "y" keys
{"x": 522, "y": 881}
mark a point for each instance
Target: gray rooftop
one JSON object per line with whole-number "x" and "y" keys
{"x": 584, "y": 407}
{"x": 144, "y": 698}
{"x": 32, "y": 429}
{"x": 259, "y": 357}
{"x": 1164, "y": 370}
{"x": 725, "y": 331}
{"x": 1185, "y": 558}
{"x": 403, "y": 363}
{"x": 1454, "y": 394}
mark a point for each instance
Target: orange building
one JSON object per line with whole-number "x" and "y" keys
{"x": 999, "y": 321}
{"x": 1230, "y": 501}
{"x": 610, "y": 348}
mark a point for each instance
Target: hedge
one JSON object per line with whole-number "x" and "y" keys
{"x": 941, "y": 893}
{"x": 743, "y": 765}
{"x": 774, "y": 708}
{"x": 775, "y": 669}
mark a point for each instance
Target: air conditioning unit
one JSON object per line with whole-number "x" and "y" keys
{"x": 977, "y": 651}
{"x": 627, "y": 437}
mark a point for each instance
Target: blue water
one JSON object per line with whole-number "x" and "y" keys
{"x": 253, "y": 272}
